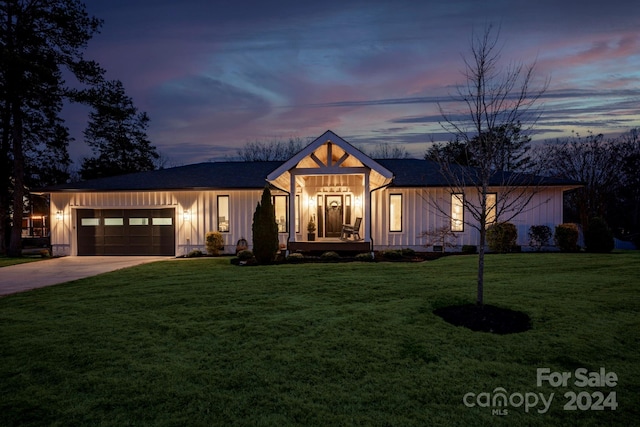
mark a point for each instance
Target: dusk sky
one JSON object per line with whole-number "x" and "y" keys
{"x": 214, "y": 75}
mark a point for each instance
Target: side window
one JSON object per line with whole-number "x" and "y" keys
{"x": 223, "y": 214}
{"x": 457, "y": 212}
{"x": 280, "y": 206}
{"x": 395, "y": 212}
{"x": 297, "y": 213}
{"x": 491, "y": 207}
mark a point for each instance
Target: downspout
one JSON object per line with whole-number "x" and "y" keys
{"x": 292, "y": 210}
{"x": 369, "y": 208}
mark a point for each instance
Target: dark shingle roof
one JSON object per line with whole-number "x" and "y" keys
{"x": 252, "y": 175}
{"x": 229, "y": 175}
{"x": 426, "y": 173}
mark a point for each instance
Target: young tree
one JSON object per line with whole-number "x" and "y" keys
{"x": 38, "y": 39}
{"x": 497, "y": 103}
{"x": 265, "y": 229}
{"x": 117, "y": 135}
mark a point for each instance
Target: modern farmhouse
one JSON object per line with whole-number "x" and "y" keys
{"x": 354, "y": 202}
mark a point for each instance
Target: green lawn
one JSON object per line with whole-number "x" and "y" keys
{"x": 200, "y": 342}
{"x": 7, "y": 261}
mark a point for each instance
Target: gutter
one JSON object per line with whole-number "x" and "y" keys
{"x": 369, "y": 208}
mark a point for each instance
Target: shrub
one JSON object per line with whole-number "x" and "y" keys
{"x": 245, "y": 255}
{"x": 502, "y": 236}
{"x": 392, "y": 254}
{"x": 469, "y": 249}
{"x": 295, "y": 257}
{"x": 539, "y": 236}
{"x": 364, "y": 257}
{"x": 265, "y": 230}
{"x": 214, "y": 242}
{"x": 598, "y": 236}
{"x": 408, "y": 252}
{"x": 195, "y": 253}
{"x": 566, "y": 237}
{"x": 330, "y": 256}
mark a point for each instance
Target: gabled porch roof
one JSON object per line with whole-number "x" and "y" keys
{"x": 330, "y": 155}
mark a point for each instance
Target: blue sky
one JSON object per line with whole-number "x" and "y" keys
{"x": 214, "y": 75}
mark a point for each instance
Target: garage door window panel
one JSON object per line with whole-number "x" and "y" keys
{"x": 138, "y": 221}
{"x": 162, "y": 221}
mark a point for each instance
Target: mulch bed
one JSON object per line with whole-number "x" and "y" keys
{"x": 487, "y": 318}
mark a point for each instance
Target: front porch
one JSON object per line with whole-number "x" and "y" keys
{"x": 339, "y": 246}
{"x": 329, "y": 184}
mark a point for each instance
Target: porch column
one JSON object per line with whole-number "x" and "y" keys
{"x": 366, "y": 207}
{"x": 292, "y": 208}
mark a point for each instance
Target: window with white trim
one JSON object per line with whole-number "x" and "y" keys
{"x": 223, "y": 214}
{"x": 457, "y": 212}
{"x": 491, "y": 207}
{"x": 395, "y": 212}
{"x": 280, "y": 208}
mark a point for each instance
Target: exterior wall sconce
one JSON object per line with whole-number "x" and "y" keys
{"x": 358, "y": 201}
{"x": 311, "y": 202}
{"x": 59, "y": 215}
{"x": 186, "y": 215}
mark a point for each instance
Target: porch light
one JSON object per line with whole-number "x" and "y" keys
{"x": 186, "y": 215}
{"x": 59, "y": 215}
{"x": 311, "y": 202}
{"x": 358, "y": 201}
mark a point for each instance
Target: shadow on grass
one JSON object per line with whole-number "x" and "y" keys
{"x": 486, "y": 318}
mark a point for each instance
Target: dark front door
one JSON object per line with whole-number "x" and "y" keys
{"x": 333, "y": 216}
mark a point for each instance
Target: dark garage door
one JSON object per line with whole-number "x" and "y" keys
{"x": 126, "y": 231}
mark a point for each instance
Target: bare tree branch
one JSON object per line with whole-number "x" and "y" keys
{"x": 498, "y": 110}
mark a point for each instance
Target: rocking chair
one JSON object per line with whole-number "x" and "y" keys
{"x": 351, "y": 230}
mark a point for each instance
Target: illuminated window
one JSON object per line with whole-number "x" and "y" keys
{"x": 491, "y": 208}
{"x": 223, "y": 214}
{"x": 89, "y": 222}
{"x": 138, "y": 221}
{"x": 161, "y": 221}
{"x": 395, "y": 212}
{"x": 297, "y": 213}
{"x": 280, "y": 206}
{"x": 457, "y": 212}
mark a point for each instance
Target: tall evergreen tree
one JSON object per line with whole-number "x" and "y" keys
{"x": 265, "y": 229}
{"x": 38, "y": 39}
{"x": 117, "y": 135}
{"x": 510, "y": 149}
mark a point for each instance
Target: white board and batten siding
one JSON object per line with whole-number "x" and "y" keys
{"x": 419, "y": 214}
{"x": 191, "y": 228}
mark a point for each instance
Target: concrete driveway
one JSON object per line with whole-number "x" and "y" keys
{"x": 32, "y": 275}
